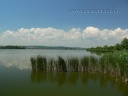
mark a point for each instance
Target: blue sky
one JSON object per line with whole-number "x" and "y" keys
{"x": 27, "y": 14}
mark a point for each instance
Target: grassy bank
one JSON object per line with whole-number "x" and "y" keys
{"x": 114, "y": 64}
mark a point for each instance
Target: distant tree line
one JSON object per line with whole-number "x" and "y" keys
{"x": 119, "y": 46}
{"x": 41, "y": 47}
{"x": 12, "y": 47}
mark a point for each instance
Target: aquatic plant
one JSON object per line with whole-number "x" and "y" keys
{"x": 102, "y": 64}
{"x": 41, "y": 63}
{"x": 73, "y": 63}
{"x": 33, "y": 63}
{"x": 61, "y": 64}
{"x": 115, "y": 64}
{"x": 50, "y": 66}
{"x": 85, "y": 63}
{"x": 93, "y": 62}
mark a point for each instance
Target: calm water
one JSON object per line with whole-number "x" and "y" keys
{"x": 17, "y": 78}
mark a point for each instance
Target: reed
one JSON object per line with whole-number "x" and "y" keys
{"x": 102, "y": 64}
{"x": 122, "y": 62}
{"x": 93, "y": 62}
{"x": 85, "y": 63}
{"x": 51, "y": 64}
{"x": 61, "y": 64}
{"x": 41, "y": 63}
{"x": 33, "y": 63}
{"x": 111, "y": 63}
{"x": 73, "y": 63}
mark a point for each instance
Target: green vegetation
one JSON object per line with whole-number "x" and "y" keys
{"x": 73, "y": 63}
{"x": 85, "y": 63}
{"x": 122, "y": 46}
{"x": 41, "y": 47}
{"x": 12, "y": 47}
{"x": 61, "y": 64}
{"x": 114, "y": 64}
{"x": 39, "y": 63}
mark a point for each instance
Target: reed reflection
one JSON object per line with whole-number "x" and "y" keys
{"x": 75, "y": 78}
{"x": 60, "y": 78}
{"x": 72, "y": 70}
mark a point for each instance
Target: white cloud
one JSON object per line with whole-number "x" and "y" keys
{"x": 91, "y": 32}
{"x": 88, "y": 37}
{"x": 73, "y": 34}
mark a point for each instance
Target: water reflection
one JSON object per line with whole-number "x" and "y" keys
{"x": 76, "y": 78}
{"x": 71, "y": 78}
{"x": 52, "y": 83}
{"x": 85, "y": 78}
{"x": 10, "y": 61}
{"x": 21, "y": 58}
{"x": 60, "y": 78}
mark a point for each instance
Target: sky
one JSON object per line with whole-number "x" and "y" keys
{"x": 63, "y": 22}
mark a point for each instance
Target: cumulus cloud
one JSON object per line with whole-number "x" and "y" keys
{"x": 73, "y": 34}
{"x": 90, "y": 36}
{"x": 91, "y": 32}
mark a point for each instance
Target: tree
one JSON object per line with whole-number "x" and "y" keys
{"x": 124, "y": 43}
{"x": 111, "y": 47}
{"x": 98, "y": 47}
{"x": 117, "y": 47}
{"x": 105, "y": 47}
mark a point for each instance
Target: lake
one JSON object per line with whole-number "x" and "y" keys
{"x": 17, "y": 78}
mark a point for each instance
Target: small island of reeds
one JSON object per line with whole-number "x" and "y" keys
{"x": 113, "y": 64}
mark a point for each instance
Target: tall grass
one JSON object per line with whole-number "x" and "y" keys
{"x": 51, "y": 64}
{"x": 39, "y": 63}
{"x": 85, "y": 63}
{"x": 61, "y": 64}
{"x": 102, "y": 64}
{"x": 33, "y": 63}
{"x": 73, "y": 63}
{"x": 115, "y": 64}
{"x": 93, "y": 62}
